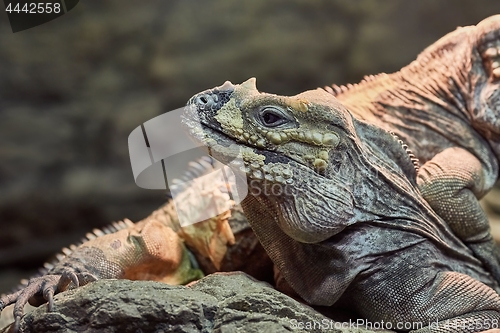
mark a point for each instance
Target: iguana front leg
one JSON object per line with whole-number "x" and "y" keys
{"x": 452, "y": 182}
{"x": 417, "y": 289}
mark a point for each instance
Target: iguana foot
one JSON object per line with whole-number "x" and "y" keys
{"x": 41, "y": 290}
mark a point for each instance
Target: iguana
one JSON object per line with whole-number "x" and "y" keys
{"x": 468, "y": 85}
{"x": 339, "y": 212}
{"x": 156, "y": 248}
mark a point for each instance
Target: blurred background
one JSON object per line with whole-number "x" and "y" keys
{"x": 73, "y": 89}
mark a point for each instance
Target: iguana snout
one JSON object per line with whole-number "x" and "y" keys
{"x": 208, "y": 102}
{"x": 283, "y": 124}
{"x": 486, "y": 79}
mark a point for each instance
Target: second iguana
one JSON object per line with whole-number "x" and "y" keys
{"x": 446, "y": 106}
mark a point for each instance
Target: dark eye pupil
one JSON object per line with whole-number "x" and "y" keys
{"x": 270, "y": 118}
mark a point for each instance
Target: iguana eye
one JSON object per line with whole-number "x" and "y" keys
{"x": 272, "y": 117}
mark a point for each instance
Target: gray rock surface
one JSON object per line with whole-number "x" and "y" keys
{"x": 230, "y": 302}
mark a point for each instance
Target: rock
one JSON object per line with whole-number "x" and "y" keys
{"x": 223, "y": 302}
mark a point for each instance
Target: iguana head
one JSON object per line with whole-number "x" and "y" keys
{"x": 485, "y": 78}
{"x": 463, "y": 70}
{"x": 305, "y": 155}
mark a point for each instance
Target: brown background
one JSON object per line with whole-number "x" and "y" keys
{"x": 73, "y": 89}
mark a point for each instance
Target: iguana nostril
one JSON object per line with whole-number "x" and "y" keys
{"x": 202, "y": 100}
{"x": 205, "y": 101}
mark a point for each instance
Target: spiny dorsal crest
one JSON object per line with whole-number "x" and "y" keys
{"x": 414, "y": 160}
{"x": 336, "y": 90}
{"x": 65, "y": 252}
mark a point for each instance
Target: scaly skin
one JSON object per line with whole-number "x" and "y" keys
{"x": 446, "y": 106}
{"x": 339, "y": 212}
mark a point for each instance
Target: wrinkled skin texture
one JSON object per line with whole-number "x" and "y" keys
{"x": 348, "y": 225}
{"x": 446, "y": 107}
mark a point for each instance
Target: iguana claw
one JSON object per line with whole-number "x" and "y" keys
{"x": 42, "y": 289}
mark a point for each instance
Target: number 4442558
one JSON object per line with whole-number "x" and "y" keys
{"x": 34, "y": 8}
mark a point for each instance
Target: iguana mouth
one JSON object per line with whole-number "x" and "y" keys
{"x": 219, "y": 143}
{"x": 212, "y": 137}
{"x": 206, "y": 134}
